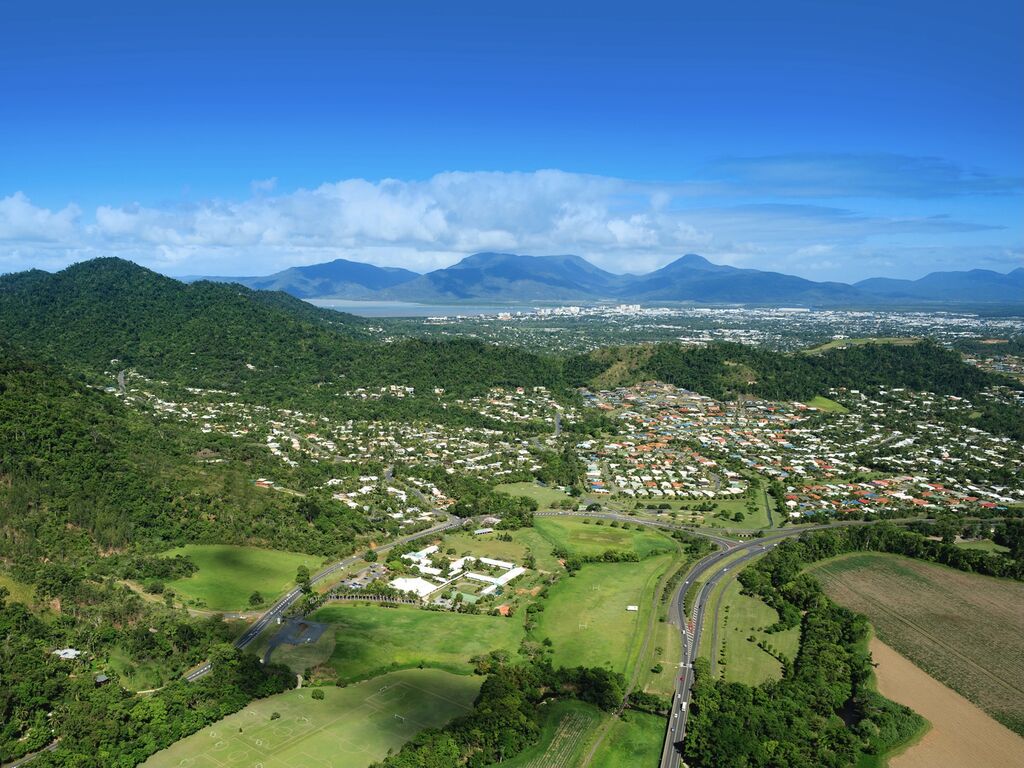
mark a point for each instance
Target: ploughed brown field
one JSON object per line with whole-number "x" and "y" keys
{"x": 960, "y": 734}
{"x": 965, "y": 630}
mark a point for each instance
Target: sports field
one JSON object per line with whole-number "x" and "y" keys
{"x": 590, "y": 538}
{"x": 586, "y": 618}
{"x": 350, "y": 728}
{"x": 565, "y": 733}
{"x": 965, "y": 630}
{"x": 368, "y": 640}
{"x": 544, "y": 496}
{"x": 229, "y": 574}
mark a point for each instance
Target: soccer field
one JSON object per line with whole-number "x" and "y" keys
{"x": 350, "y": 728}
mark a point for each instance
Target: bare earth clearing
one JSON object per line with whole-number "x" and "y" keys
{"x": 961, "y": 734}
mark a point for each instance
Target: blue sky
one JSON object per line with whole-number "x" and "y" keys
{"x": 831, "y": 140}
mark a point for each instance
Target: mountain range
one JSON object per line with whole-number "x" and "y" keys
{"x": 513, "y": 278}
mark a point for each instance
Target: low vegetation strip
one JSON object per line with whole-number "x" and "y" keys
{"x": 960, "y": 733}
{"x": 965, "y": 630}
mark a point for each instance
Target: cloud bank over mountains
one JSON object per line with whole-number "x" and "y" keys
{"x": 804, "y": 214}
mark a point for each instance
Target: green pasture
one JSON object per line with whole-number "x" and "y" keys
{"x": 985, "y": 545}
{"x": 544, "y": 496}
{"x": 229, "y": 574}
{"x": 20, "y": 592}
{"x": 825, "y": 404}
{"x": 369, "y": 639}
{"x": 585, "y": 539}
{"x": 747, "y": 617}
{"x": 351, "y": 727}
{"x": 585, "y": 615}
{"x": 899, "y": 341}
{"x": 635, "y": 739}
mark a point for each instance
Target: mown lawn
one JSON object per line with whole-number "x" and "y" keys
{"x": 229, "y": 574}
{"x": 351, "y": 727}
{"x": 634, "y": 740}
{"x": 586, "y": 619}
{"x": 751, "y": 521}
{"x": 580, "y": 538}
{"x": 748, "y": 617}
{"x": 489, "y": 545}
{"x": 544, "y": 496}
{"x": 369, "y": 639}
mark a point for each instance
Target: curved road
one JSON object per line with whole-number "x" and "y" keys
{"x": 278, "y": 609}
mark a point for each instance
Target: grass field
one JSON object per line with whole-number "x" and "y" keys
{"x": 545, "y": 497}
{"x": 488, "y": 545}
{"x": 228, "y": 574}
{"x": 965, "y": 630}
{"x": 368, "y": 639}
{"x": 747, "y": 617}
{"x": 586, "y": 618}
{"x": 586, "y": 539}
{"x": 351, "y": 728}
{"x": 635, "y": 739}
{"x": 666, "y": 638}
{"x": 565, "y": 734}
{"x": 985, "y": 545}
{"x": 19, "y": 591}
{"x": 825, "y": 404}
{"x": 899, "y": 341}
{"x": 750, "y": 522}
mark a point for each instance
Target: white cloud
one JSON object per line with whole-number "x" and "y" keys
{"x": 618, "y": 224}
{"x": 21, "y": 221}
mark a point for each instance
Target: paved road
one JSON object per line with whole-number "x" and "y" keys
{"x": 691, "y": 626}
{"x": 278, "y": 609}
{"x": 29, "y": 758}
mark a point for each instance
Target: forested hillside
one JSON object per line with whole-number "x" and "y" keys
{"x": 726, "y": 370}
{"x": 261, "y": 344}
{"x": 77, "y": 464}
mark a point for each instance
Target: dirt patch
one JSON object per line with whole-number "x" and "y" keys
{"x": 965, "y": 630}
{"x": 961, "y": 734}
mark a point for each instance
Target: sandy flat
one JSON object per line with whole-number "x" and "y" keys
{"x": 961, "y": 736}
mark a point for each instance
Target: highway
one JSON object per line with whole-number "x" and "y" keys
{"x": 280, "y": 608}
{"x": 690, "y": 627}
